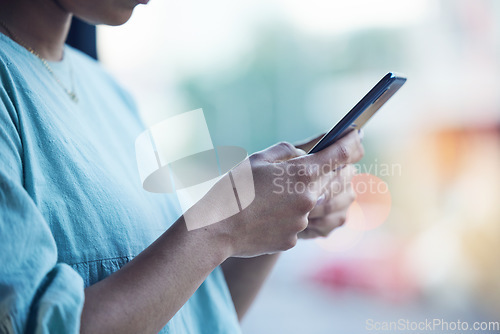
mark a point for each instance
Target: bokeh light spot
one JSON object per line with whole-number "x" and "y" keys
{"x": 374, "y": 200}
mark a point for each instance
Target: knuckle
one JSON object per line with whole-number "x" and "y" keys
{"x": 361, "y": 151}
{"x": 342, "y": 219}
{"x": 256, "y": 157}
{"x": 302, "y": 224}
{"x": 305, "y": 203}
{"x": 343, "y": 153}
{"x": 290, "y": 242}
{"x": 286, "y": 146}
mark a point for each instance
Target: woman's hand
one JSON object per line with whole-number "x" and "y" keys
{"x": 330, "y": 211}
{"x": 146, "y": 293}
{"x": 287, "y": 185}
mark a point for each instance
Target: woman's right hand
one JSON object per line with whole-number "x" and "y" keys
{"x": 287, "y": 185}
{"x": 146, "y": 293}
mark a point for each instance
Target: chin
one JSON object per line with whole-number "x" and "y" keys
{"x": 114, "y": 19}
{"x": 109, "y": 12}
{"x": 117, "y": 20}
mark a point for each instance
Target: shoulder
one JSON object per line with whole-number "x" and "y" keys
{"x": 8, "y": 50}
{"x": 13, "y": 62}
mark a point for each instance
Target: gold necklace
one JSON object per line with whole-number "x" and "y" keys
{"x": 71, "y": 92}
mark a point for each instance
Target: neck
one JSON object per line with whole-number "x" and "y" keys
{"x": 42, "y": 25}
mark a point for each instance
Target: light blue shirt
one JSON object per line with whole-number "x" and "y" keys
{"x": 72, "y": 207}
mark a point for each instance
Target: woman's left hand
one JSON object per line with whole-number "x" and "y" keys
{"x": 331, "y": 210}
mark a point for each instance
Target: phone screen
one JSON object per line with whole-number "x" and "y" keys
{"x": 363, "y": 110}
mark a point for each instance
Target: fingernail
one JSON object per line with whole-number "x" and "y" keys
{"x": 301, "y": 151}
{"x": 321, "y": 199}
{"x": 361, "y": 134}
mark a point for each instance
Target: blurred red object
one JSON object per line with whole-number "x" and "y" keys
{"x": 385, "y": 276}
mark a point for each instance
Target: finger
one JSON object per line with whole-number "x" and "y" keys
{"x": 336, "y": 182}
{"x": 308, "y": 144}
{"x": 339, "y": 203}
{"x": 325, "y": 225}
{"x": 348, "y": 172}
{"x": 346, "y": 150}
{"x": 336, "y": 192}
{"x": 307, "y": 234}
{"x": 281, "y": 152}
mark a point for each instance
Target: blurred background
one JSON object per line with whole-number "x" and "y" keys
{"x": 272, "y": 70}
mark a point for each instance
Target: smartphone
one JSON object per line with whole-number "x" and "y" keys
{"x": 363, "y": 110}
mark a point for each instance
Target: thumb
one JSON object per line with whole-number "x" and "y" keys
{"x": 281, "y": 152}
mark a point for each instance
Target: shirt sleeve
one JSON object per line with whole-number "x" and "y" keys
{"x": 37, "y": 294}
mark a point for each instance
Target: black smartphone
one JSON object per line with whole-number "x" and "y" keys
{"x": 363, "y": 110}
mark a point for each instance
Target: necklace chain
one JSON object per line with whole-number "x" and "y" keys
{"x": 71, "y": 92}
